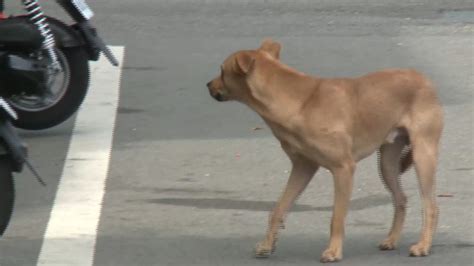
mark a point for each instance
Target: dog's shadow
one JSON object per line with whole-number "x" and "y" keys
{"x": 249, "y": 205}
{"x": 360, "y": 248}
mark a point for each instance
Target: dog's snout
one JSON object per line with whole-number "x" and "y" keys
{"x": 218, "y": 97}
{"x": 216, "y": 90}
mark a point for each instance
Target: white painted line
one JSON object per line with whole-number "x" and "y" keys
{"x": 70, "y": 236}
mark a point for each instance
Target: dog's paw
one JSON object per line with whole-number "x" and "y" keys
{"x": 419, "y": 250}
{"x": 330, "y": 255}
{"x": 388, "y": 244}
{"x": 264, "y": 249}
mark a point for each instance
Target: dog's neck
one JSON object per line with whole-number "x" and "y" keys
{"x": 278, "y": 92}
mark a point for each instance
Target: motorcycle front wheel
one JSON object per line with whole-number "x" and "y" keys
{"x": 63, "y": 97}
{"x": 7, "y": 192}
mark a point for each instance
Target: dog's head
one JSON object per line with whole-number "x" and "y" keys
{"x": 232, "y": 84}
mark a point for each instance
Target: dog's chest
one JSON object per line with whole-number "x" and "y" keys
{"x": 293, "y": 140}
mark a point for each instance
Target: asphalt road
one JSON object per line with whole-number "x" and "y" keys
{"x": 191, "y": 183}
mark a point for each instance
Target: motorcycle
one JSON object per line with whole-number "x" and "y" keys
{"x": 13, "y": 156}
{"x": 44, "y": 63}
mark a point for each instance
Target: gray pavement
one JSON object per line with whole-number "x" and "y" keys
{"x": 191, "y": 182}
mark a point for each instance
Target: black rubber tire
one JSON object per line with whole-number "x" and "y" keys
{"x": 7, "y": 192}
{"x": 78, "y": 62}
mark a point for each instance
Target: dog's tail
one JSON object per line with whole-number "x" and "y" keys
{"x": 406, "y": 161}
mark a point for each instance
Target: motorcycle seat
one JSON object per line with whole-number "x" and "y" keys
{"x": 18, "y": 34}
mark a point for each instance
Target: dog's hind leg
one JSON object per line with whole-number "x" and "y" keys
{"x": 425, "y": 159}
{"x": 301, "y": 174}
{"x": 389, "y": 164}
{"x": 424, "y": 139}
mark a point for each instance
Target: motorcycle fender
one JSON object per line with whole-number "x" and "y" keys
{"x": 71, "y": 36}
{"x": 64, "y": 35}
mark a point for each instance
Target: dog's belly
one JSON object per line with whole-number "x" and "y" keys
{"x": 363, "y": 150}
{"x": 329, "y": 147}
{"x": 322, "y": 149}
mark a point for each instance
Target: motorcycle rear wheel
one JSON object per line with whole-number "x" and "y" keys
{"x": 7, "y": 192}
{"x": 35, "y": 117}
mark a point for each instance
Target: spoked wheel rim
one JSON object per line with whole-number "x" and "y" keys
{"x": 58, "y": 84}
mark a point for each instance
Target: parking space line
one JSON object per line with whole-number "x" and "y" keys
{"x": 70, "y": 235}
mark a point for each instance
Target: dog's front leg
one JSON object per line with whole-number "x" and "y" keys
{"x": 343, "y": 179}
{"x": 302, "y": 172}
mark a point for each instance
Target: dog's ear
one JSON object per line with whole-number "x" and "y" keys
{"x": 244, "y": 62}
{"x": 271, "y": 47}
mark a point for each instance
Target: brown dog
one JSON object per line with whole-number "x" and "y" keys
{"x": 334, "y": 123}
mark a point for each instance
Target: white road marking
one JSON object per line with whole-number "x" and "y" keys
{"x": 70, "y": 236}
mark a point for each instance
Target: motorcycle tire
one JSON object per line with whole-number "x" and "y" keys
{"x": 77, "y": 60}
{"x": 7, "y": 192}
